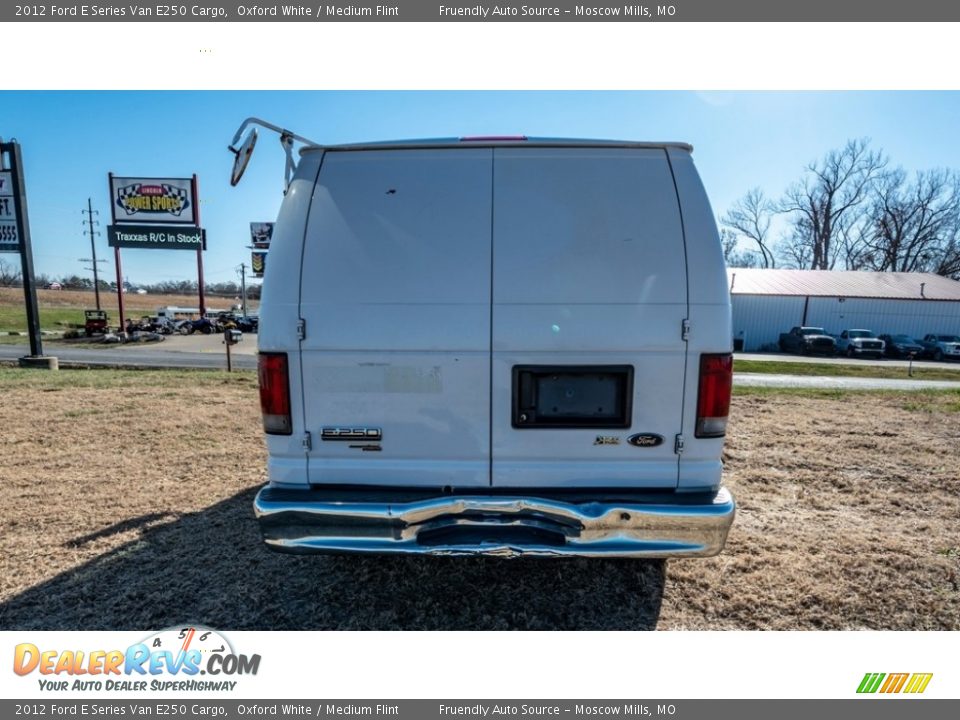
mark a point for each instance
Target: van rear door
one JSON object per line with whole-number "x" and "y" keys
{"x": 395, "y": 292}
{"x": 589, "y": 297}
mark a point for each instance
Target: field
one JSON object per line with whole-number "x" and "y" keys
{"x": 60, "y": 307}
{"x": 126, "y": 503}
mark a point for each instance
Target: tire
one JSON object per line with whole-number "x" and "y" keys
{"x": 850, "y": 353}
{"x": 938, "y": 355}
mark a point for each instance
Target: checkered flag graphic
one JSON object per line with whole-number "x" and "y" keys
{"x": 124, "y": 194}
{"x": 176, "y": 192}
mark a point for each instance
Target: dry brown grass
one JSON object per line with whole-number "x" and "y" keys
{"x": 132, "y": 303}
{"x": 126, "y": 497}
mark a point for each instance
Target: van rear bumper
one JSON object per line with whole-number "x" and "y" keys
{"x": 398, "y": 521}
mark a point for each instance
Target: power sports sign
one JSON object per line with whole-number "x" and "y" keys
{"x": 151, "y": 236}
{"x": 160, "y": 201}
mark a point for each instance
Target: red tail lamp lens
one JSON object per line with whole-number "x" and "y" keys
{"x": 274, "y": 393}
{"x": 713, "y": 402}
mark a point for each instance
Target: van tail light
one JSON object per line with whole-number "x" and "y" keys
{"x": 274, "y": 393}
{"x": 713, "y": 402}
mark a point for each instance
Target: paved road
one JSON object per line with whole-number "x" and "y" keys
{"x": 844, "y": 383}
{"x": 204, "y": 353}
{"x": 140, "y": 356}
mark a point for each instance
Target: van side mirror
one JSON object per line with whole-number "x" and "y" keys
{"x": 242, "y": 156}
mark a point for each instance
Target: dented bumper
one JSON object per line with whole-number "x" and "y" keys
{"x": 575, "y": 524}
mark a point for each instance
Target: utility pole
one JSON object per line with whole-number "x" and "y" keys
{"x": 93, "y": 247}
{"x": 243, "y": 287}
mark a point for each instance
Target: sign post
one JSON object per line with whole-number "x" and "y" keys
{"x": 15, "y": 237}
{"x": 196, "y": 219}
{"x": 116, "y": 261}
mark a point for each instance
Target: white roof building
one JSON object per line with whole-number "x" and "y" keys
{"x": 768, "y": 302}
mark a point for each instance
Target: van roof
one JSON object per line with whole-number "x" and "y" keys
{"x": 498, "y": 141}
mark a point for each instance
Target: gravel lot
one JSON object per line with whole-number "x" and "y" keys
{"x": 126, "y": 504}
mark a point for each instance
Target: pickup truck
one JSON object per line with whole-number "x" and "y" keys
{"x": 854, "y": 343}
{"x": 806, "y": 341}
{"x": 941, "y": 347}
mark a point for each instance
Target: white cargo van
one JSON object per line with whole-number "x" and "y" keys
{"x": 505, "y": 346}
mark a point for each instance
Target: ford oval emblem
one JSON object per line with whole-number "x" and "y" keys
{"x": 645, "y": 440}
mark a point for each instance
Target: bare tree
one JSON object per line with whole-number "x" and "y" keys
{"x": 732, "y": 254}
{"x": 9, "y": 274}
{"x": 794, "y": 249}
{"x": 823, "y": 204}
{"x": 750, "y": 216}
{"x": 914, "y": 225}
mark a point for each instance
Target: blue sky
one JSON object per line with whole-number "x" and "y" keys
{"x": 71, "y": 140}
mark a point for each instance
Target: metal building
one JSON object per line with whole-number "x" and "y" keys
{"x": 769, "y": 302}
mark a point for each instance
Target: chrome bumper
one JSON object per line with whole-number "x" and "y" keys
{"x": 317, "y": 521}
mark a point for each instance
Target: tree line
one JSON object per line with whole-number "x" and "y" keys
{"x": 850, "y": 210}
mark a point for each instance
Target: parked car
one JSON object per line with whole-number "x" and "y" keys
{"x": 807, "y": 341}
{"x": 901, "y": 346}
{"x": 248, "y": 323}
{"x": 941, "y": 347}
{"x": 538, "y": 365}
{"x": 856, "y": 343}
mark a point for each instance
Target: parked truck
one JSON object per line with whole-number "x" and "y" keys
{"x": 807, "y": 341}
{"x": 857, "y": 343}
{"x": 941, "y": 347}
{"x": 501, "y": 346}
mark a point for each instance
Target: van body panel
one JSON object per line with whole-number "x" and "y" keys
{"x": 396, "y": 298}
{"x": 588, "y": 271}
{"x": 706, "y": 267}
{"x": 280, "y": 307}
{"x": 711, "y": 327}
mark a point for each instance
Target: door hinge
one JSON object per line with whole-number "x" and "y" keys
{"x": 678, "y": 445}
{"x": 301, "y": 329}
{"x": 307, "y": 442}
{"x": 685, "y": 330}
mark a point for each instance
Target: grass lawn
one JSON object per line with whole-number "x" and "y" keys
{"x": 51, "y": 318}
{"x": 143, "y": 481}
{"x": 779, "y": 367}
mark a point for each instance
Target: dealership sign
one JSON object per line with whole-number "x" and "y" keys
{"x": 9, "y": 235}
{"x": 260, "y": 234}
{"x": 258, "y": 261}
{"x": 156, "y": 237}
{"x": 162, "y": 201}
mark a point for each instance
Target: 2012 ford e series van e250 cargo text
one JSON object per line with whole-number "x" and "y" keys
{"x": 503, "y": 346}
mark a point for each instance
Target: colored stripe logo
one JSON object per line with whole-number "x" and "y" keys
{"x": 913, "y": 683}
